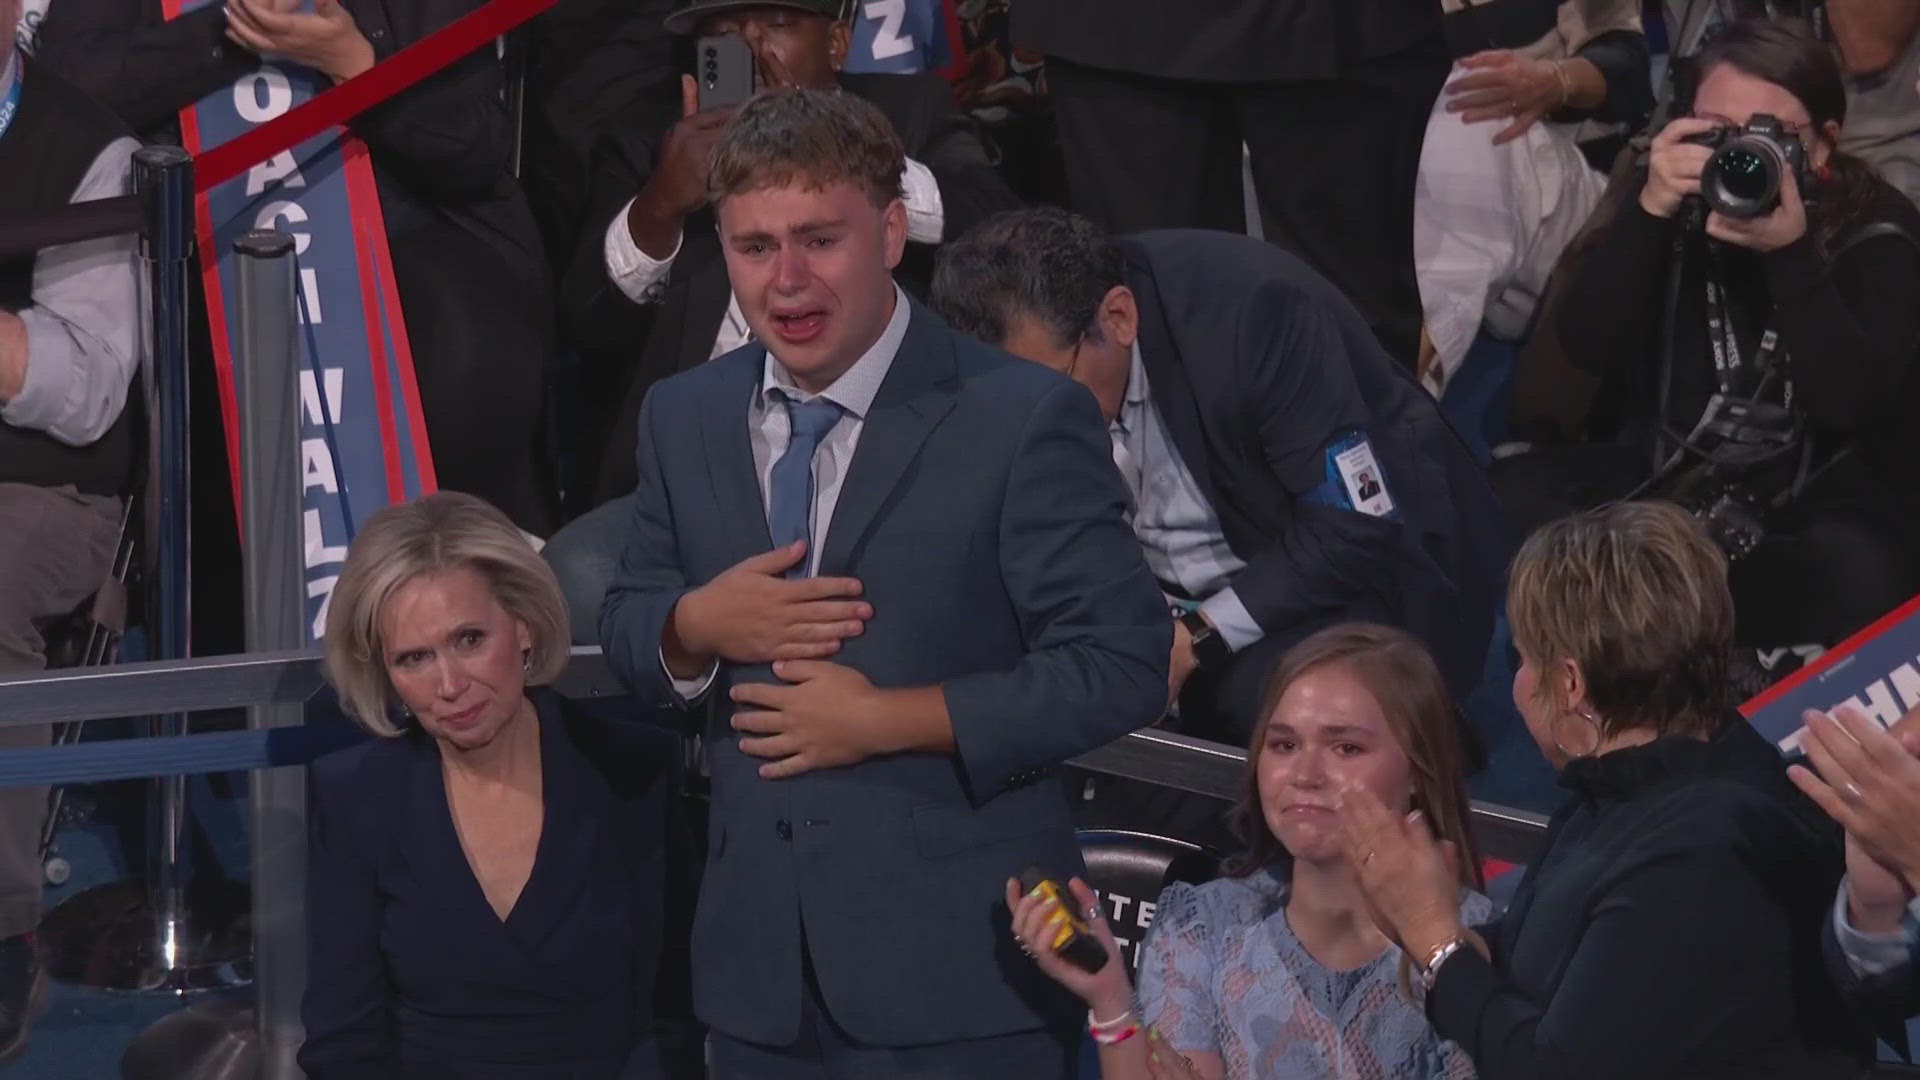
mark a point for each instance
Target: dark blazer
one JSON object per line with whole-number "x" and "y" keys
{"x": 412, "y": 975}
{"x": 983, "y": 515}
{"x": 143, "y": 67}
{"x": 626, "y": 347}
{"x": 1224, "y": 41}
{"x": 1885, "y": 1001}
{"x": 1670, "y": 928}
{"x": 1258, "y": 366}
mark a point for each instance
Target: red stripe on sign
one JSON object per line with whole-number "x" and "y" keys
{"x": 1832, "y": 656}
{"x": 402, "y": 350}
{"x": 362, "y": 92}
{"x": 360, "y": 190}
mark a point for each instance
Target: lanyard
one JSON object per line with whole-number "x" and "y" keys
{"x": 12, "y": 103}
{"x": 1727, "y": 359}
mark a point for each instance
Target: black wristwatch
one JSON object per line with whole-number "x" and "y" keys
{"x": 1210, "y": 651}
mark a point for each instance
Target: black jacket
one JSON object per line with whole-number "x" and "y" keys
{"x": 1669, "y": 929}
{"x": 1847, "y": 322}
{"x": 626, "y": 347}
{"x": 143, "y": 67}
{"x": 1225, "y": 41}
{"x": 1259, "y": 366}
{"x": 411, "y": 974}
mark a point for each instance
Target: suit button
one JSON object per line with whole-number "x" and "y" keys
{"x": 784, "y": 828}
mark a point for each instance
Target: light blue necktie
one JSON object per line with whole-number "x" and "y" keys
{"x": 790, "y": 488}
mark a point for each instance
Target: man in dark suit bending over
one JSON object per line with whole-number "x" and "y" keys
{"x": 925, "y": 539}
{"x": 1285, "y": 473}
{"x": 646, "y": 293}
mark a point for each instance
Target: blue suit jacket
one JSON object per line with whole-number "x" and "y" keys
{"x": 412, "y": 975}
{"x": 983, "y": 515}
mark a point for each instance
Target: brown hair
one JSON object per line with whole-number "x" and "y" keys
{"x": 439, "y": 532}
{"x": 1785, "y": 53}
{"x": 812, "y": 137}
{"x": 1635, "y": 593}
{"x": 1413, "y": 696}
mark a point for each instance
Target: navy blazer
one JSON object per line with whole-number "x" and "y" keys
{"x": 983, "y": 515}
{"x": 1258, "y": 366}
{"x": 410, "y": 972}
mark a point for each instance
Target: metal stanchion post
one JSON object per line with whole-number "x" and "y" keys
{"x": 165, "y": 177}
{"x": 275, "y": 604}
{"x": 141, "y": 935}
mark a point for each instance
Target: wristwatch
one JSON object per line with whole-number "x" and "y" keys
{"x": 1210, "y": 650}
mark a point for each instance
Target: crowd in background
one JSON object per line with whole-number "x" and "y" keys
{"x": 1375, "y": 300}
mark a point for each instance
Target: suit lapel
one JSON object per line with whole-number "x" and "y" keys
{"x": 1172, "y": 393}
{"x": 915, "y": 396}
{"x": 730, "y": 471}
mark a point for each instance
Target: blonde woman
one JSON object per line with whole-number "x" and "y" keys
{"x": 1671, "y": 927}
{"x": 488, "y": 879}
{"x": 1275, "y": 971}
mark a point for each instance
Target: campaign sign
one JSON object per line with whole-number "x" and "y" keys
{"x": 1876, "y": 671}
{"x": 363, "y": 443}
{"x": 899, "y": 37}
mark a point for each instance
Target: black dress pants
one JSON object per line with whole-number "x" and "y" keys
{"x": 1334, "y": 164}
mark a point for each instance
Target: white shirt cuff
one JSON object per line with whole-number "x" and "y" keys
{"x": 926, "y": 214}
{"x": 1872, "y": 952}
{"x": 639, "y": 275}
{"x": 1229, "y": 616}
{"x": 690, "y": 690}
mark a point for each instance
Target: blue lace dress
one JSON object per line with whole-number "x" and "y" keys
{"x": 1221, "y": 972}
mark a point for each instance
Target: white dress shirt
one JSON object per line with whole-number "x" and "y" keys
{"x": 1489, "y": 223}
{"x": 1179, "y": 533}
{"x": 644, "y": 279}
{"x": 82, "y": 326}
{"x": 768, "y": 430}
{"x": 1874, "y": 952}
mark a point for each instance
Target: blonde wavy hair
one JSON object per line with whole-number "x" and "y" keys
{"x": 434, "y": 534}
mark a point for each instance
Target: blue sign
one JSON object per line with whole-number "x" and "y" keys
{"x": 899, "y": 37}
{"x": 1877, "y": 671}
{"x": 362, "y": 441}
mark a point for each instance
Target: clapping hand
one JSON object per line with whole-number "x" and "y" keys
{"x": 1410, "y": 880}
{"x": 1868, "y": 780}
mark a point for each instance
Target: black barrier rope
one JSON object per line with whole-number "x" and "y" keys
{"x": 24, "y": 234}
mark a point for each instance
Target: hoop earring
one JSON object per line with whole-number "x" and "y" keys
{"x": 1570, "y": 755}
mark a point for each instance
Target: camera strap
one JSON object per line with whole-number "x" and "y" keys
{"x": 1729, "y": 363}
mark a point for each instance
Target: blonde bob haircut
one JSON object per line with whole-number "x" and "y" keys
{"x": 1636, "y": 594}
{"x": 433, "y": 534}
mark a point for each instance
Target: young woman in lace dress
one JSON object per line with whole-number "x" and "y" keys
{"x": 1275, "y": 971}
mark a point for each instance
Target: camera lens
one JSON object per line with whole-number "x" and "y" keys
{"x": 1742, "y": 179}
{"x": 1744, "y": 174}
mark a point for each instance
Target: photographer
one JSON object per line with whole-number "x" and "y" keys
{"x": 1758, "y": 344}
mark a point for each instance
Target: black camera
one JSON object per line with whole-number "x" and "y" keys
{"x": 1749, "y": 165}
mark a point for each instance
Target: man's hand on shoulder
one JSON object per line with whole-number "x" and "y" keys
{"x": 753, "y": 614}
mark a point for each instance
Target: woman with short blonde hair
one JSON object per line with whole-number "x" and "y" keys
{"x": 436, "y": 533}
{"x": 1672, "y": 925}
{"x": 488, "y": 882}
